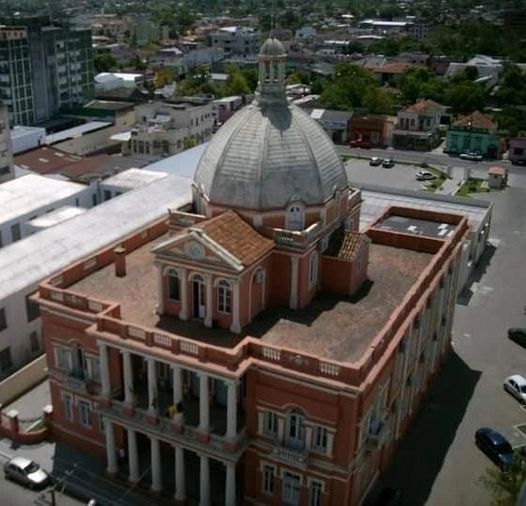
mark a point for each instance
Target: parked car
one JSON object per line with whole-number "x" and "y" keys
{"x": 495, "y": 446}
{"x": 360, "y": 143}
{"x": 425, "y": 175}
{"x": 516, "y": 386}
{"x": 375, "y": 161}
{"x": 518, "y": 335}
{"x": 26, "y": 472}
{"x": 471, "y": 155}
{"x": 388, "y": 163}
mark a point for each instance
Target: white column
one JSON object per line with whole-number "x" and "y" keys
{"x": 230, "y": 485}
{"x": 204, "y": 414}
{"x": 153, "y": 401}
{"x": 160, "y": 289}
{"x": 231, "y": 411}
{"x": 180, "y": 483}
{"x": 308, "y": 438}
{"x": 177, "y": 384}
{"x": 281, "y": 429}
{"x": 104, "y": 370}
{"x": 204, "y": 479}
{"x": 235, "y": 326}
{"x": 156, "y": 465}
{"x": 129, "y": 395}
{"x": 133, "y": 456}
{"x": 209, "y": 297}
{"x": 293, "y": 303}
{"x": 111, "y": 454}
{"x": 183, "y": 313}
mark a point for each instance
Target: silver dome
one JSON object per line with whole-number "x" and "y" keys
{"x": 272, "y": 47}
{"x": 265, "y": 156}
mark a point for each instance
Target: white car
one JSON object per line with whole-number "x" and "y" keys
{"x": 516, "y": 386}
{"x": 26, "y": 472}
{"x": 425, "y": 175}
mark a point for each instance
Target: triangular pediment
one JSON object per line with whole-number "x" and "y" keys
{"x": 196, "y": 247}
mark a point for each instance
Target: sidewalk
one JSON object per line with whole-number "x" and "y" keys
{"x": 450, "y": 186}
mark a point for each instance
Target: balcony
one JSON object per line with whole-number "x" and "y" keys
{"x": 298, "y": 458}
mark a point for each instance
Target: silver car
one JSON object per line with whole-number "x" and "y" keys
{"x": 516, "y": 386}
{"x": 26, "y": 472}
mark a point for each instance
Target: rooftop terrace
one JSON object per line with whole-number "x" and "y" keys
{"x": 331, "y": 327}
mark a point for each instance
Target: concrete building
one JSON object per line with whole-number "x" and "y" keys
{"x": 226, "y": 107}
{"x": 53, "y": 218}
{"x": 25, "y": 138}
{"x": 125, "y": 181}
{"x": 47, "y": 67}
{"x": 376, "y": 129}
{"x": 225, "y": 345}
{"x": 337, "y": 124}
{"x": 6, "y": 148}
{"x": 517, "y": 151}
{"x": 27, "y": 197}
{"x": 164, "y": 128}
{"x": 474, "y": 132}
{"x": 235, "y": 40}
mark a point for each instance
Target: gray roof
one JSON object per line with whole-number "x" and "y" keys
{"x": 28, "y": 261}
{"x": 272, "y": 47}
{"x": 265, "y": 156}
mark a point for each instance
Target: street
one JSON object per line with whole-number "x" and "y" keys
{"x": 438, "y": 463}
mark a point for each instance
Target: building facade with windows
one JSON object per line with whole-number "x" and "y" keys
{"x": 45, "y": 67}
{"x": 6, "y": 148}
{"x": 235, "y": 40}
{"x": 254, "y": 347}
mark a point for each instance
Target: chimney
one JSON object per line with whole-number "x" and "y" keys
{"x": 120, "y": 261}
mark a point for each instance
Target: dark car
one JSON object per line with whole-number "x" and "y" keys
{"x": 495, "y": 446}
{"x": 388, "y": 163}
{"x": 387, "y": 497}
{"x": 518, "y": 335}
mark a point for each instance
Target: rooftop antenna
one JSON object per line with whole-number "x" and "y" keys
{"x": 272, "y": 19}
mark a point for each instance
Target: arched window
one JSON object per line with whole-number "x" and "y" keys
{"x": 224, "y": 297}
{"x": 174, "y": 285}
{"x": 296, "y": 429}
{"x": 313, "y": 269}
{"x": 295, "y": 217}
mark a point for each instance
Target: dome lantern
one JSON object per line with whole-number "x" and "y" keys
{"x": 271, "y": 85}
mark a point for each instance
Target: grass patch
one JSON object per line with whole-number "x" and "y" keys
{"x": 472, "y": 185}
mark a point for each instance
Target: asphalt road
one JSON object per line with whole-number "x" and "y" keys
{"x": 437, "y": 463}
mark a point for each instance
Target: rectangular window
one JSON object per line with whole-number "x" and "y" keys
{"x": 34, "y": 345}
{"x": 224, "y": 297}
{"x": 3, "y": 320}
{"x": 173, "y": 287}
{"x": 85, "y": 413}
{"x": 315, "y": 491}
{"x": 268, "y": 480}
{"x": 68, "y": 408}
{"x": 32, "y": 309}
{"x": 320, "y": 439}
{"x": 291, "y": 489}
{"x": 102, "y": 426}
{"x": 5, "y": 360}
{"x": 63, "y": 358}
{"x": 270, "y": 423}
{"x": 93, "y": 367}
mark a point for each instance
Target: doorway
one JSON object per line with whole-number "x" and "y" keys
{"x": 198, "y": 288}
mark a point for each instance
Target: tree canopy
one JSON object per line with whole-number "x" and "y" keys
{"x": 505, "y": 486}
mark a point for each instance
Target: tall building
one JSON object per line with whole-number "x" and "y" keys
{"x": 45, "y": 67}
{"x": 235, "y": 40}
{"x": 256, "y": 348}
{"x": 6, "y": 149}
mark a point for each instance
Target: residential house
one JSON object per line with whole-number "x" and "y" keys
{"x": 337, "y": 124}
{"x": 418, "y": 126}
{"x": 473, "y": 132}
{"x": 517, "y": 151}
{"x": 391, "y": 73}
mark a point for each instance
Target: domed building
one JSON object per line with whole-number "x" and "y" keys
{"x": 271, "y": 199}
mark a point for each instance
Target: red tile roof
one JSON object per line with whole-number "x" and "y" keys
{"x": 345, "y": 245}
{"x": 496, "y": 171}
{"x": 393, "y": 68}
{"x": 235, "y": 235}
{"x": 423, "y": 106}
{"x": 476, "y": 120}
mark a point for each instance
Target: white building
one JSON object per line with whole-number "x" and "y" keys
{"x": 165, "y": 129}
{"x": 25, "y": 138}
{"x": 235, "y": 40}
{"x": 6, "y": 151}
{"x": 28, "y": 197}
{"x": 125, "y": 181}
{"x": 25, "y": 264}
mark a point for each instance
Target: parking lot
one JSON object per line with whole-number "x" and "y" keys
{"x": 400, "y": 176}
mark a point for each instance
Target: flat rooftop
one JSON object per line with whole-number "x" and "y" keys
{"x": 331, "y": 327}
{"x": 26, "y": 194}
{"x": 133, "y": 178}
{"x": 415, "y": 226}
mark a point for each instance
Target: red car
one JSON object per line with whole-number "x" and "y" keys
{"x": 360, "y": 143}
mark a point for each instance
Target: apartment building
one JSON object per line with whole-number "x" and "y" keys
{"x": 6, "y": 148}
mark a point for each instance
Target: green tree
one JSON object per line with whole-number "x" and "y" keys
{"x": 505, "y": 486}
{"x": 185, "y": 20}
{"x": 512, "y": 121}
{"x": 298, "y": 77}
{"x": 421, "y": 83}
{"x": 251, "y": 76}
{"x": 189, "y": 142}
{"x": 104, "y": 62}
{"x": 465, "y": 97}
{"x": 164, "y": 76}
{"x": 236, "y": 84}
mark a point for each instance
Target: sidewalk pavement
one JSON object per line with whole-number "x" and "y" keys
{"x": 450, "y": 186}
